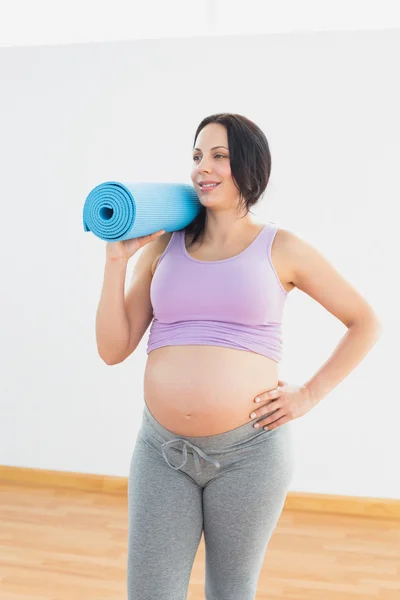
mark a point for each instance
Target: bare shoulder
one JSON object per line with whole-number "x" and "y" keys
{"x": 161, "y": 243}
{"x": 292, "y": 254}
{"x": 314, "y": 274}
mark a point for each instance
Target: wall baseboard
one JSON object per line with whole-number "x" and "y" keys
{"x": 383, "y": 508}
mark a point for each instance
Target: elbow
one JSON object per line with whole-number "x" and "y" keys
{"x": 372, "y": 324}
{"x": 376, "y": 325}
{"x": 110, "y": 361}
{"x": 108, "y": 357}
{"x": 115, "y": 360}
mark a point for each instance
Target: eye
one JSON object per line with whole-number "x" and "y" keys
{"x": 194, "y": 158}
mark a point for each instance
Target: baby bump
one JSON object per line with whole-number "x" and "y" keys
{"x": 205, "y": 390}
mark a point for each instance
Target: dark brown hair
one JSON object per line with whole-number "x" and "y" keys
{"x": 250, "y": 162}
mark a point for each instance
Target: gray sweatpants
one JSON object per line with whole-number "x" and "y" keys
{"x": 231, "y": 486}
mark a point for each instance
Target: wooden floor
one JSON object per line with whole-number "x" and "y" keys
{"x": 62, "y": 544}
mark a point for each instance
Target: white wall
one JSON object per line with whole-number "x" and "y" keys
{"x": 73, "y": 116}
{"x": 42, "y": 22}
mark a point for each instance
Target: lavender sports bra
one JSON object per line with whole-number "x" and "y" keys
{"x": 236, "y": 302}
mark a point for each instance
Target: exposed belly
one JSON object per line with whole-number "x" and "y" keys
{"x": 205, "y": 390}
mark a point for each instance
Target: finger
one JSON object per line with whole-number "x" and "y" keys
{"x": 274, "y": 424}
{"x": 152, "y": 236}
{"x": 266, "y": 409}
{"x": 267, "y": 396}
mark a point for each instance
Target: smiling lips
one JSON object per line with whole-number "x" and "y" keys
{"x": 207, "y": 187}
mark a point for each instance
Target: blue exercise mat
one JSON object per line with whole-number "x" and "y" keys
{"x": 115, "y": 211}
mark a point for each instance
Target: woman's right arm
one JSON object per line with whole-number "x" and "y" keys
{"x": 121, "y": 320}
{"x": 112, "y": 325}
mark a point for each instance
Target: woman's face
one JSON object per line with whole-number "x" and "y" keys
{"x": 211, "y": 162}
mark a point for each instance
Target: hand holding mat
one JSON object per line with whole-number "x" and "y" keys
{"x": 115, "y": 211}
{"x": 125, "y": 249}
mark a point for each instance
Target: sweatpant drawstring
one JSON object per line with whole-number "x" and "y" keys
{"x": 197, "y": 451}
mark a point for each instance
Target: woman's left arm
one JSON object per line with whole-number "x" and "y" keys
{"x": 313, "y": 274}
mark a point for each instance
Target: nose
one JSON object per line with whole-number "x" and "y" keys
{"x": 203, "y": 166}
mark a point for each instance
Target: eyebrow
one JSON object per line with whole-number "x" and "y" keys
{"x": 214, "y": 148}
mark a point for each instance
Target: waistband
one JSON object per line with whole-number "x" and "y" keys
{"x": 201, "y": 446}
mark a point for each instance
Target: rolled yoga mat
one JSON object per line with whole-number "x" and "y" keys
{"x": 115, "y": 211}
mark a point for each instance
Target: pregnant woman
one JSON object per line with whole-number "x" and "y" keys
{"x": 209, "y": 457}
